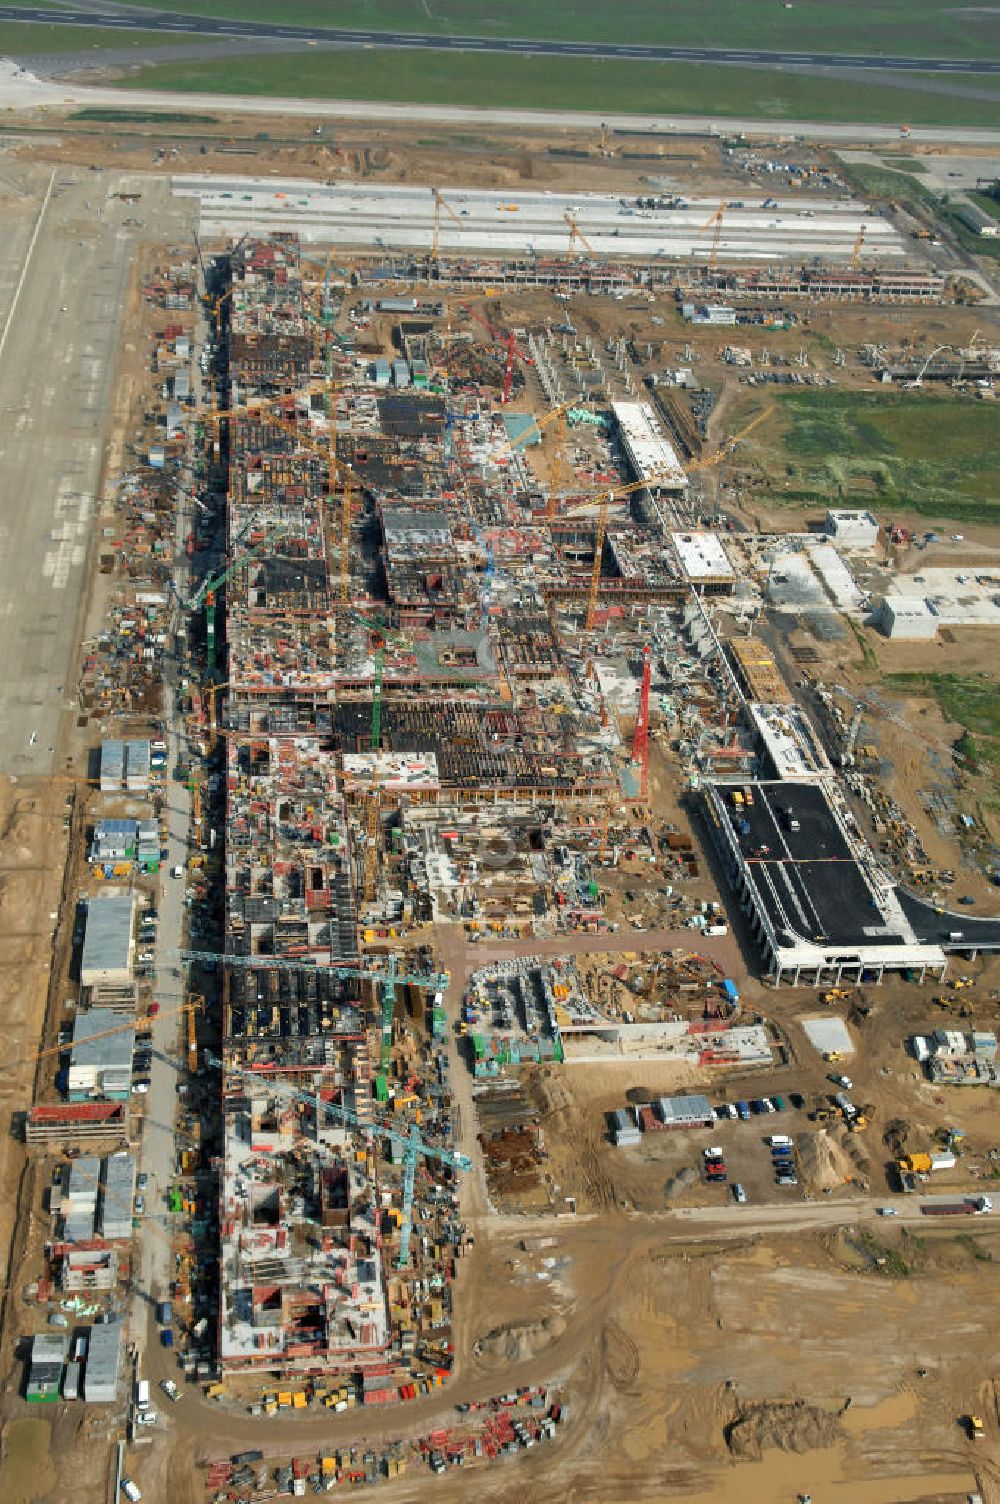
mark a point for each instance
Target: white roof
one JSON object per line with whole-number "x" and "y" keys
{"x": 645, "y": 444}
{"x": 702, "y": 556}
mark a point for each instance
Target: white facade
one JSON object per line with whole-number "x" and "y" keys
{"x": 852, "y": 529}
{"x": 651, "y": 456}
{"x": 703, "y": 557}
{"x": 907, "y": 618}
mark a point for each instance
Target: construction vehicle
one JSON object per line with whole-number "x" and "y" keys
{"x": 974, "y": 1427}
{"x": 959, "y": 983}
{"x": 835, "y": 994}
{"x": 971, "y": 1206}
{"x": 915, "y": 1164}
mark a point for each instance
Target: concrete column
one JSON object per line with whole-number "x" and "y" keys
{"x": 923, "y": 973}
{"x": 795, "y": 978}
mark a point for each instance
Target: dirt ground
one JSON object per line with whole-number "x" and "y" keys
{"x": 734, "y": 1365}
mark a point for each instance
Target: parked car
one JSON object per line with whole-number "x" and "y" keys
{"x": 739, "y": 1194}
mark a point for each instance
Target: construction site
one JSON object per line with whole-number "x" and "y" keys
{"x": 497, "y": 911}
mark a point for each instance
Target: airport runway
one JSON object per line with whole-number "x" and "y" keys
{"x": 64, "y": 267}
{"x": 171, "y": 21}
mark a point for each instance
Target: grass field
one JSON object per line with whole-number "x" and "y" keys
{"x": 937, "y": 456}
{"x": 18, "y": 40}
{"x": 971, "y": 700}
{"x": 923, "y": 28}
{"x": 888, "y": 183}
{"x": 575, "y": 83}
{"x": 912, "y": 194}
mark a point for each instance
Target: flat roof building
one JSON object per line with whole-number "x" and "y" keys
{"x": 45, "y": 1370}
{"x": 117, "y": 1192}
{"x": 907, "y": 618}
{"x": 100, "y": 1061}
{"x": 817, "y": 905}
{"x": 652, "y": 458}
{"x": 104, "y": 1352}
{"x": 112, "y": 766}
{"x": 852, "y": 529}
{"x": 107, "y": 941}
{"x": 704, "y": 561}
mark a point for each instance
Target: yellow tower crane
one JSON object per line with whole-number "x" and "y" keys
{"x": 441, "y": 205}
{"x": 606, "y": 497}
{"x": 576, "y": 234}
{"x": 715, "y": 222}
{"x": 856, "y": 248}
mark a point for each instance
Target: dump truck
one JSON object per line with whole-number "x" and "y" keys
{"x": 970, "y": 1206}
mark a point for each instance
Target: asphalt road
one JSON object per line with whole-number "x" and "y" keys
{"x": 171, "y": 21}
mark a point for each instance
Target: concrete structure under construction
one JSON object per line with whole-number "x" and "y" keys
{"x": 518, "y": 222}
{"x": 817, "y": 906}
{"x": 301, "y": 1233}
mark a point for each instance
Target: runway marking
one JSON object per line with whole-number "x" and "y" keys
{"x": 27, "y": 262}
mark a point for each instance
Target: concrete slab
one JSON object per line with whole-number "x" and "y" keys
{"x": 828, "y": 1035}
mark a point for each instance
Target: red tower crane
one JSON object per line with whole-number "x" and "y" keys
{"x": 509, "y": 342}
{"x": 640, "y": 738}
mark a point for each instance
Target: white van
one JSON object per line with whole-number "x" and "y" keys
{"x": 131, "y": 1491}
{"x": 780, "y": 1141}
{"x": 142, "y": 1395}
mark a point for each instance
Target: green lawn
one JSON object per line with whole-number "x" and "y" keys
{"x": 937, "y": 456}
{"x": 918, "y": 28}
{"x": 888, "y": 183}
{"x": 971, "y": 700}
{"x": 539, "y": 83}
{"x": 17, "y": 40}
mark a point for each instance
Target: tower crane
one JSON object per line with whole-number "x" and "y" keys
{"x": 640, "y": 738}
{"x": 576, "y": 234}
{"x": 856, "y": 248}
{"x": 410, "y": 1145}
{"x": 372, "y": 812}
{"x": 509, "y": 343}
{"x": 389, "y": 978}
{"x": 440, "y": 203}
{"x": 705, "y": 461}
{"x": 715, "y": 222}
{"x": 606, "y": 497}
{"x": 206, "y": 591}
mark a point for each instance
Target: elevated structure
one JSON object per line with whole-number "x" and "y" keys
{"x": 818, "y": 907}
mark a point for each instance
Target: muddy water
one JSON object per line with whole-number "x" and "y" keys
{"x": 896, "y": 1410}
